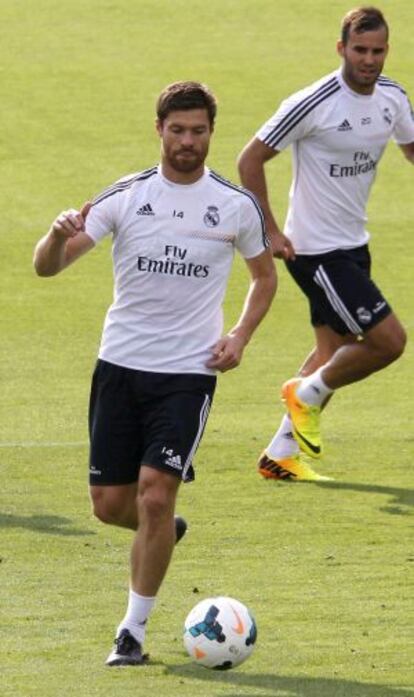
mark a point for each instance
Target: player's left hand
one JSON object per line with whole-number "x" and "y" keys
{"x": 281, "y": 246}
{"x": 227, "y": 353}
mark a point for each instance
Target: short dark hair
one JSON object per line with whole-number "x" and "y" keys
{"x": 362, "y": 19}
{"x": 186, "y": 95}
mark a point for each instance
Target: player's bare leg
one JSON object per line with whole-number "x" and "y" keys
{"x": 327, "y": 342}
{"x": 150, "y": 556}
{"x": 379, "y": 347}
{"x": 154, "y": 542}
{"x": 116, "y": 505}
{"x": 151, "y": 502}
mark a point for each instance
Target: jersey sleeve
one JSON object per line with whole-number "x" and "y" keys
{"x": 252, "y": 239}
{"x": 404, "y": 126}
{"x": 289, "y": 123}
{"x": 102, "y": 216}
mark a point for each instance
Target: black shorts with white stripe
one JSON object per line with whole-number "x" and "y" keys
{"x": 137, "y": 417}
{"x": 340, "y": 290}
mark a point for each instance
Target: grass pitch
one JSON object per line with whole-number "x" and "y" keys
{"x": 327, "y": 569}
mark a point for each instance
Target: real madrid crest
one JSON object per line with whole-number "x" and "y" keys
{"x": 364, "y": 315}
{"x": 386, "y": 113}
{"x": 211, "y": 217}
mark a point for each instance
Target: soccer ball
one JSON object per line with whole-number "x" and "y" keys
{"x": 219, "y": 633}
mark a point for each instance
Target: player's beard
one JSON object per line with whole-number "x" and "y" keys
{"x": 183, "y": 162}
{"x": 365, "y": 80}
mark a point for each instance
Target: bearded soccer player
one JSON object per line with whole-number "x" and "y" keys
{"x": 338, "y": 128}
{"x": 175, "y": 228}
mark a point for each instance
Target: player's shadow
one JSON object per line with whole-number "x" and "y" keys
{"x": 48, "y": 524}
{"x": 273, "y": 685}
{"x": 400, "y": 497}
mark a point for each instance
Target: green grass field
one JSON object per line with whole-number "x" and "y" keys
{"x": 327, "y": 569}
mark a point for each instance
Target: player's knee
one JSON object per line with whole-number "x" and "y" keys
{"x": 386, "y": 346}
{"x": 395, "y": 346}
{"x": 153, "y": 504}
{"x": 106, "y": 508}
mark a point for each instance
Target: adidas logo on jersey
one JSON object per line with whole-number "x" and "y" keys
{"x": 145, "y": 210}
{"x": 344, "y": 126}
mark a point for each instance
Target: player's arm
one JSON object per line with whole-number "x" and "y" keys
{"x": 408, "y": 150}
{"x": 251, "y": 164}
{"x": 228, "y": 351}
{"x": 65, "y": 242}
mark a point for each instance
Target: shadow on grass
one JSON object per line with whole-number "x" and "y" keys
{"x": 401, "y": 497}
{"x": 49, "y": 524}
{"x": 273, "y": 685}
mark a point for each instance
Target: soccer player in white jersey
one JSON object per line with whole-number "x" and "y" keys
{"x": 175, "y": 228}
{"x": 338, "y": 128}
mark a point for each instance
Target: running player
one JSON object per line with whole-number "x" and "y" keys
{"x": 338, "y": 128}
{"x": 175, "y": 228}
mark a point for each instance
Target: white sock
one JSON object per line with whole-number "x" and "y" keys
{"x": 313, "y": 390}
{"x": 283, "y": 443}
{"x": 138, "y": 610}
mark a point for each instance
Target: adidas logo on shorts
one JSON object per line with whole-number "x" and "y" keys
{"x": 171, "y": 460}
{"x": 174, "y": 461}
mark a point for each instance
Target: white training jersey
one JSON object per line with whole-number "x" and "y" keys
{"x": 338, "y": 138}
{"x": 173, "y": 247}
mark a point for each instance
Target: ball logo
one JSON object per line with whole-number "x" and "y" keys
{"x": 209, "y": 626}
{"x": 364, "y": 315}
{"x": 211, "y": 218}
{"x": 239, "y": 628}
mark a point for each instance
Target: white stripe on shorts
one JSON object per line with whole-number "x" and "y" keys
{"x": 322, "y": 279}
{"x": 204, "y": 412}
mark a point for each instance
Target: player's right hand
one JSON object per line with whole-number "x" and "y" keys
{"x": 69, "y": 223}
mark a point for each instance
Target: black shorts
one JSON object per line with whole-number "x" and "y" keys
{"x": 138, "y": 417}
{"x": 340, "y": 291}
